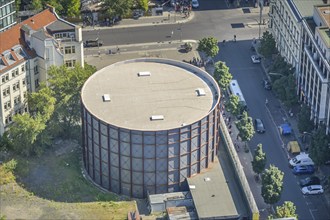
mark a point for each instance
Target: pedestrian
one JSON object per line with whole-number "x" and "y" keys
{"x": 172, "y": 34}
{"x": 229, "y": 126}
{"x": 237, "y": 137}
{"x": 229, "y": 118}
{"x": 234, "y": 38}
{"x": 266, "y": 102}
{"x": 169, "y": 16}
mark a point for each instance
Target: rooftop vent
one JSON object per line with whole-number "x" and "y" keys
{"x": 200, "y": 92}
{"x": 144, "y": 73}
{"x": 106, "y": 98}
{"x": 157, "y": 117}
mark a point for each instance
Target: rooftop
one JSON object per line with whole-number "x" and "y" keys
{"x": 167, "y": 93}
{"x": 211, "y": 194}
{"x": 306, "y": 7}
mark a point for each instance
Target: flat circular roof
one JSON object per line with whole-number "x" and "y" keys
{"x": 169, "y": 91}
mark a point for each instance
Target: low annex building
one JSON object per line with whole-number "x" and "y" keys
{"x": 27, "y": 50}
{"x": 148, "y": 124}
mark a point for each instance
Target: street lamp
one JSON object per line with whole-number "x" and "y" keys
{"x": 261, "y": 6}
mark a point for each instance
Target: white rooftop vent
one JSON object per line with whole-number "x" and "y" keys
{"x": 207, "y": 179}
{"x": 144, "y": 73}
{"x": 157, "y": 117}
{"x": 106, "y": 98}
{"x": 200, "y": 92}
{"x": 192, "y": 187}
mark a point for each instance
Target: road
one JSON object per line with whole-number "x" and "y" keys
{"x": 213, "y": 20}
{"x": 249, "y": 76}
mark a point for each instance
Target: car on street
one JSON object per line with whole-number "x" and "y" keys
{"x": 259, "y": 126}
{"x": 195, "y": 3}
{"x": 312, "y": 190}
{"x": 303, "y": 169}
{"x": 255, "y": 59}
{"x": 93, "y": 43}
{"x": 266, "y": 84}
{"x": 312, "y": 180}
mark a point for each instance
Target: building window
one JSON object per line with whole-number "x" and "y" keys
{"x": 16, "y": 86}
{"x": 36, "y": 70}
{"x": 6, "y": 91}
{"x": 5, "y": 78}
{"x": 69, "y": 50}
{"x": 23, "y": 68}
{"x": 36, "y": 83}
{"x": 17, "y": 100}
{"x": 8, "y": 119}
{"x": 7, "y": 105}
{"x": 24, "y": 82}
{"x": 70, "y": 63}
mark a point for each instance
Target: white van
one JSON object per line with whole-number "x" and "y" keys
{"x": 301, "y": 159}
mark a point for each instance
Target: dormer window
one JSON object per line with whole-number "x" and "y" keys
{"x": 19, "y": 52}
{"x": 9, "y": 57}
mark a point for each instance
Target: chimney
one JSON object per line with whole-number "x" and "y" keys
{"x": 325, "y": 1}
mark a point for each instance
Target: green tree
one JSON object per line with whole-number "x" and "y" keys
{"x": 259, "y": 160}
{"x": 233, "y": 105}
{"x": 71, "y": 7}
{"x": 36, "y": 5}
{"x": 113, "y": 8}
{"x": 288, "y": 209}
{"x": 245, "y": 127}
{"x": 208, "y": 45}
{"x": 42, "y": 102}
{"x": 267, "y": 45}
{"x": 56, "y": 4}
{"x": 285, "y": 88}
{"x": 143, "y": 4}
{"x": 17, "y": 5}
{"x": 66, "y": 84}
{"x": 319, "y": 150}
{"x": 222, "y": 75}
{"x": 305, "y": 124}
{"x": 272, "y": 185}
{"x": 24, "y": 132}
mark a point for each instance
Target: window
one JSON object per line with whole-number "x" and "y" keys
{"x": 16, "y": 86}
{"x": 17, "y": 100}
{"x": 24, "y": 82}
{"x": 6, "y": 91}
{"x": 7, "y": 105}
{"x": 23, "y": 68}
{"x": 8, "y": 119}
{"x": 36, "y": 70}
{"x": 25, "y": 94}
{"x": 70, "y": 63}
{"x": 69, "y": 50}
{"x": 36, "y": 83}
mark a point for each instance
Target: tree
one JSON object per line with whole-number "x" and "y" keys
{"x": 208, "y": 45}
{"x": 305, "y": 124}
{"x": 36, "y": 5}
{"x": 245, "y": 127}
{"x": 285, "y": 88}
{"x": 272, "y": 185}
{"x": 267, "y": 45}
{"x": 42, "y": 102}
{"x": 113, "y": 8}
{"x": 234, "y": 106}
{"x": 319, "y": 150}
{"x": 143, "y": 4}
{"x": 71, "y": 7}
{"x": 288, "y": 209}
{"x": 259, "y": 160}
{"x": 222, "y": 75}
{"x": 66, "y": 84}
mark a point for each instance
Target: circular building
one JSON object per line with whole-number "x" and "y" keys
{"x": 148, "y": 124}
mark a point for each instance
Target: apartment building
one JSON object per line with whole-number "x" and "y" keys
{"x": 301, "y": 31}
{"x": 27, "y": 50}
{"x": 7, "y": 14}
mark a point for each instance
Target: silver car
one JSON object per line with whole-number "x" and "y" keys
{"x": 259, "y": 125}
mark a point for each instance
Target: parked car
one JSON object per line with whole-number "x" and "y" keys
{"x": 266, "y": 84}
{"x": 312, "y": 180}
{"x": 259, "y": 125}
{"x": 195, "y": 3}
{"x": 93, "y": 43}
{"x": 255, "y": 59}
{"x": 313, "y": 189}
{"x": 303, "y": 169}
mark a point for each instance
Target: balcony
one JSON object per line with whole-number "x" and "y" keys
{"x": 314, "y": 59}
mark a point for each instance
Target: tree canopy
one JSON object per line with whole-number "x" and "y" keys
{"x": 305, "y": 124}
{"x": 222, "y": 75}
{"x": 268, "y": 44}
{"x": 259, "y": 160}
{"x": 319, "y": 150}
{"x": 113, "y": 8}
{"x": 245, "y": 127}
{"x": 285, "y": 88}
{"x": 208, "y": 45}
{"x": 272, "y": 185}
{"x": 288, "y": 209}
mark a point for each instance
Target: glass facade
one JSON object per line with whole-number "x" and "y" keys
{"x": 7, "y": 14}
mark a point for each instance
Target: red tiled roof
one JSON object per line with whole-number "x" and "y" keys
{"x": 12, "y": 36}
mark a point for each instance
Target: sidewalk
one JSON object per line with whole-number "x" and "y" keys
{"x": 168, "y": 17}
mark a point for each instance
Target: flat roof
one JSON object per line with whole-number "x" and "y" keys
{"x": 211, "y": 194}
{"x": 306, "y": 7}
{"x": 169, "y": 93}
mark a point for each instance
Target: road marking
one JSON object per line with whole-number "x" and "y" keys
{"x": 312, "y": 213}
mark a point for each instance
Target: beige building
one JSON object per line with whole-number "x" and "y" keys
{"x": 27, "y": 50}
{"x": 301, "y": 32}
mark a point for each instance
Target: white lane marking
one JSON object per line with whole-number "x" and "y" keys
{"x": 311, "y": 211}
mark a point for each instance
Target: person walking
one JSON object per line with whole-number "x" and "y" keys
{"x": 234, "y": 38}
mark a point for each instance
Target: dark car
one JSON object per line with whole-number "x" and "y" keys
{"x": 312, "y": 180}
{"x": 299, "y": 170}
{"x": 93, "y": 43}
{"x": 266, "y": 84}
{"x": 259, "y": 125}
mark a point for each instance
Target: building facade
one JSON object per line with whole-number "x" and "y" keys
{"x": 7, "y": 14}
{"x": 27, "y": 50}
{"x": 148, "y": 124}
{"x": 301, "y": 32}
